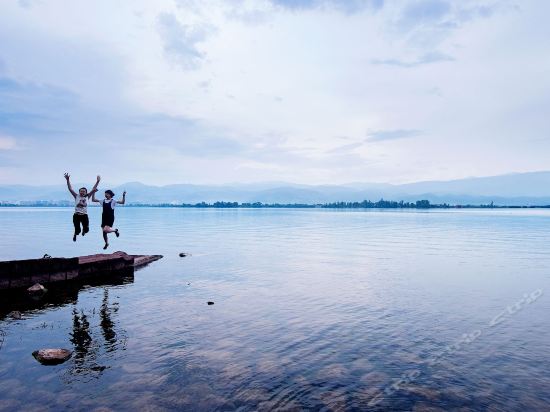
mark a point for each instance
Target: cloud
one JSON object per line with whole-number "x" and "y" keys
{"x": 7, "y": 143}
{"x": 428, "y": 23}
{"x": 348, "y": 6}
{"x": 298, "y": 4}
{"x": 345, "y": 148}
{"x": 180, "y": 41}
{"x": 376, "y": 136}
{"x": 428, "y": 58}
{"x": 39, "y": 112}
{"x": 26, "y": 3}
{"x": 188, "y": 137}
{"x": 423, "y": 12}
{"x": 444, "y": 14}
{"x": 29, "y": 108}
{"x": 383, "y": 135}
{"x": 75, "y": 83}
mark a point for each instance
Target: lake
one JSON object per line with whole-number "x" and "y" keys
{"x": 313, "y": 310}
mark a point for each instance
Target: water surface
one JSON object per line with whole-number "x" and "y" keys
{"x": 314, "y": 309}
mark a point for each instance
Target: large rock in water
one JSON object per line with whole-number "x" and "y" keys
{"x": 52, "y": 356}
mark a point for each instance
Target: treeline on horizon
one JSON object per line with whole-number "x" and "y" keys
{"x": 365, "y": 204}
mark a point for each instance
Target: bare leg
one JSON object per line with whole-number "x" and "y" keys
{"x": 106, "y": 239}
{"x": 108, "y": 229}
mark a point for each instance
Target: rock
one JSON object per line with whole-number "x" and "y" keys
{"x": 210, "y": 303}
{"x": 37, "y": 289}
{"x": 15, "y": 314}
{"x": 52, "y": 356}
{"x": 183, "y": 254}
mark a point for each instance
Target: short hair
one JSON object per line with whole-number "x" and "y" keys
{"x": 110, "y": 192}
{"x": 84, "y": 189}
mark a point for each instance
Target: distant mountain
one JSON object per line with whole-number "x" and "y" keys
{"x": 511, "y": 189}
{"x": 535, "y": 184}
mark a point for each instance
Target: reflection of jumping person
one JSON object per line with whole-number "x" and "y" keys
{"x": 81, "y": 207}
{"x": 108, "y": 216}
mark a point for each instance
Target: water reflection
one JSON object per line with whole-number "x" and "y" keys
{"x": 94, "y": 331}
{"x": 85, "y": 352}
{"x": 93, "y": 342}
{"x": 58, "y": 295}
{"x": 107, "y": 325}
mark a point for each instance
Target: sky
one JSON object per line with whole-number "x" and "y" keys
{"x": 302, "y": 91}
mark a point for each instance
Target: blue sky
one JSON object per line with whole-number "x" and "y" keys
{"x": 305, "y": 91}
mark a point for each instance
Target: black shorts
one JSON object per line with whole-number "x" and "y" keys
{"x": 107, "y": 221}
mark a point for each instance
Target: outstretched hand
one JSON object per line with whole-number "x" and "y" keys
{"x": 98, "y": 178}
{"x": 124, "y": 193}
{"x": 67, "y": 176}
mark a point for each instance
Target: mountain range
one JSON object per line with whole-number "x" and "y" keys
{"x": 511, "y": 189}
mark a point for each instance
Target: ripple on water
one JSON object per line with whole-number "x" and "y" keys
{"x": 316, "y": 310}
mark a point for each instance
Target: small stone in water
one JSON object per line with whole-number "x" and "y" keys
{"x": 15, "y": 314}
{"x": 37, "y": 289}
{"x": 52, "y": 356}
{"x": 183, "y": 254}
{"x": 210, "y": 303}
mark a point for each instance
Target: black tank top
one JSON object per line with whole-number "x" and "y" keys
{"x": 108, "y": 211}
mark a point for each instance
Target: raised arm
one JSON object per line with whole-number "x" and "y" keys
{"x": 121, "y": 202}
{"x": 94, "y": 189}
{"x": 94, "y": 198}
{"x": 67, "y": 178}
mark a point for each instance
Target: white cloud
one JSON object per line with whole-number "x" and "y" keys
{"x": 181, "y": 42}
{"x": 7, "y": 143}
{"x": 221, "y": 88}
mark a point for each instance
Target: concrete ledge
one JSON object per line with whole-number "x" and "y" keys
{"x": 88, "y": 265}
{"x": 25, "y": 273}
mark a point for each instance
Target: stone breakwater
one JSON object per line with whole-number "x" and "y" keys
{"x": 16, "y": 274}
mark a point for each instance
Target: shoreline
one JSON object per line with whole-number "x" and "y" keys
{"x": 287, "y": 206}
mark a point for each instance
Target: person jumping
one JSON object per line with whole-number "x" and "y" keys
{"x": 108, "y": 215}
{"x": 80, "y": 216}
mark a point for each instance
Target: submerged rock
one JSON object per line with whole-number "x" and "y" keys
{"x": 182, "y": 254}
{"x": 52, "y": 356}
{"x": 15, "y": 314}
{"x": 37, "y": 289}
{"x": 210, "y": 303}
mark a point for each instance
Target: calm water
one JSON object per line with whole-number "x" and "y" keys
{"x": 314, "y": 309}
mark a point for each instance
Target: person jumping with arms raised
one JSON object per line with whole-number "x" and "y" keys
{"x": 108, "y": 215}
{"x": 80, "y": 216}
